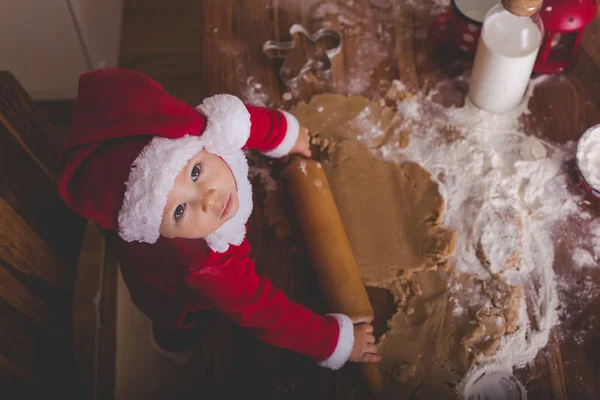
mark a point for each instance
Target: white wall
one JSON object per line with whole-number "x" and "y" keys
{"x": 40, "y": 45}
{"x": 100, "y": 23}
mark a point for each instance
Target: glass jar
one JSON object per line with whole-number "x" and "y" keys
{"x": 504, "y": 60}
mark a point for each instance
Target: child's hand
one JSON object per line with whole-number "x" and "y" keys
{"x": 302, "y": 144}
{"x": 364, "y": 349}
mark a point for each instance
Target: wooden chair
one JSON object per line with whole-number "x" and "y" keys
{"x": 57, "y": 272}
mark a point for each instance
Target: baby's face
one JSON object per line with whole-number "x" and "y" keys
{"x": 203, "y": 198}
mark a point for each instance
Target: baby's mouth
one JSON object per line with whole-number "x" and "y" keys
{"x": 227, "y": 208}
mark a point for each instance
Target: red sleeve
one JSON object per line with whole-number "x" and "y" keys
{"x": 272, "y": 132}
{"x": 250, "y": 300}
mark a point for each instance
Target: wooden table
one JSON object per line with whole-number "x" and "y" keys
{"x": 200, "y": 48}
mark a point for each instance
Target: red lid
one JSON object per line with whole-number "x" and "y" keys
{"x": 567, "y": 15}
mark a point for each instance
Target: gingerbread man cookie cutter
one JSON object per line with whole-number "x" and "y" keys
{"x": 313, "y": 63}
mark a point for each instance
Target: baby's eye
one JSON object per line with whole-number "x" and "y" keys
{"x": 179, "y": 211}
{"x": 195, "y": 172}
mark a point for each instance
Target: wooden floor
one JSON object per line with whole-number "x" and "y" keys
{"x": 200, "y": 48}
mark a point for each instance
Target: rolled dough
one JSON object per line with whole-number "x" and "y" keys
{"x": 392, "y": 214}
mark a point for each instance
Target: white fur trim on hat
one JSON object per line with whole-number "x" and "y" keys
{"x": 290, "y": 138}
{"x": 228, "y": 123}
{"x": 344, "y": 345}
{"x": 149, "y": 183}
{"x": 154, "y": 171}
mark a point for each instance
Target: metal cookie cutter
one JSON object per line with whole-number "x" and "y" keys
{"x": 312, "y": 63}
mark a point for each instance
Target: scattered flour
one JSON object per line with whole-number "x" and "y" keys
{"x": 583, "y": 258}
{"x": 595, "y": 236}
{"x": 587, "y": 254}
{"x": 579, "y": 324}
{"x": 582, "y": 291}
{"x": 254, "y": 93}
{"x": 357, "y": 20}
{"x": 436, "y": 8}
{"x": 303, "y": 167}
{"x": 333, "y": 9}
{"x": 507, "y": 194}
{"x": 367, "y": 129}
{"x": 259, "y": 167}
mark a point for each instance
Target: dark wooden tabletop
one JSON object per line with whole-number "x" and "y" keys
{"x": 200, "y": 48}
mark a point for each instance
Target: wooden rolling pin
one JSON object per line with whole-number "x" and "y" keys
{"x": 329, "y": 249}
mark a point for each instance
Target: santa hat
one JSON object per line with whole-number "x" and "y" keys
{"x": 129, "y": 140}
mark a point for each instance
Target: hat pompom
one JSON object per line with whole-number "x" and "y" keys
{"x": 228, "y": 124}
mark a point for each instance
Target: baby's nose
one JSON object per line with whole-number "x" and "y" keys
{"x": 209, "y": 200}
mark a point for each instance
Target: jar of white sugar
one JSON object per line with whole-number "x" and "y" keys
{"x": 588, "y": 160}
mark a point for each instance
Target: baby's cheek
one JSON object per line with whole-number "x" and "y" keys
{"x": 164, "y": 230}
{"x": 205, "y": 227}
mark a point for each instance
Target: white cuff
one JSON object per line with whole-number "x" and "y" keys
{"x": 344, "y": 345}
{"x": 290, "y": 138}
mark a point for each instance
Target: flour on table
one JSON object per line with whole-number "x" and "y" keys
{"x": 259, "y": 167}
{"x": 273, "y": 205}
{"x": 357, "y": 19}
{"x": 579, "y": 325}
{"x": 595, "y": 236}
{"x": 436, "y": 8}
{"x": 586, "y": 248}
{"x": 408, "y": 254}
{"x": 508, "y": 196}
{"x": 255, "y": 93}
{"x": 583, "y": 258}
{"x": 510, "y": 200}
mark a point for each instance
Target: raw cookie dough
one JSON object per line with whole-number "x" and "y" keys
{"x": 354, "y": 117}
{"x": 392, "y": 214}
{"x": 397, "y": 206}
{"x": 403, "y": 372}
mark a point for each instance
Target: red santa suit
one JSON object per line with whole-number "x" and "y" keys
{"x": 128, "y": 141}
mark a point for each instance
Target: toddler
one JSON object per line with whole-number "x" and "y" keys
{"x": 172, "y": 181}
